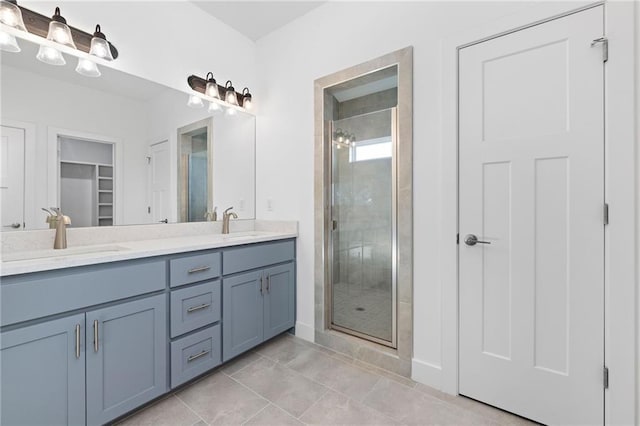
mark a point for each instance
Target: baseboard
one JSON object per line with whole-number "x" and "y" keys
{"x": 426, "y": 373}
{"x": 305, "y": 331}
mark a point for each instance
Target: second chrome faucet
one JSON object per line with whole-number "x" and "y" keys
{"x": 226, "y": 216}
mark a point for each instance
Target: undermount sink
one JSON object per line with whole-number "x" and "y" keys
{"x": 51, "y": 253}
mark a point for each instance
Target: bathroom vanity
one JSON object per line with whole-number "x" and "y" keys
{"x": 88, "y": 337}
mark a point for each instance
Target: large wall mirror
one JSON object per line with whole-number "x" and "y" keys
{"x": 115, "y": 150}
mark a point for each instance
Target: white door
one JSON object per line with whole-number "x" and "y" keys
{"x": 532, "y": 185}
{"x": 12, "y": 178}
{"x": 159, "y": 181}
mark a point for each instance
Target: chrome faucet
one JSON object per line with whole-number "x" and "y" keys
{"x": 225, "y": 220}
{"x": 59, "y": 222}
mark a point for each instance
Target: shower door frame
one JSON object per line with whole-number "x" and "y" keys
{"x": 393, "y": 343}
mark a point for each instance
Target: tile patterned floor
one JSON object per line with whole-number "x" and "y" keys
{"x": 288, "y": 381}
{"x": 363, "y": 309}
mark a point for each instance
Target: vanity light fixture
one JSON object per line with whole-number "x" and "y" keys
{"x": 11, "y": 16}
{"x": 246, "y": 99}
{"x": 55, "y": 30}
{"x": 343, "y": 139}
{"x": 218, "y": 95}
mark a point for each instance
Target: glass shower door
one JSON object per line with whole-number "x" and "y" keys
{"x": 363, "y": 183}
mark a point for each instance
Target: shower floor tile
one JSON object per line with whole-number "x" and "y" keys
{"x": 363, "y": 309}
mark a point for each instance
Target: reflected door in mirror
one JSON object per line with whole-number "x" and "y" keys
{"x": 12, "y": 178}
{"x": 159, "y": 179}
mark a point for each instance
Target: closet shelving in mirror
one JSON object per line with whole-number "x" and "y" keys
{"x": 220, "y": 98}
{"x": 55, "y": 37}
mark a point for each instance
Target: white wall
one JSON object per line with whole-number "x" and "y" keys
{"x": 333, "y": 37}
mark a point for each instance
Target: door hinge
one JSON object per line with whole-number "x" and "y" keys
{"x": 457, "y": 238}
{"x": 605, "y": 377}
{"x": 605, "y": 214}
{"x": 149, "y": 209}
{"x": 148, "y": 160}
{"x": 605, "y": 47}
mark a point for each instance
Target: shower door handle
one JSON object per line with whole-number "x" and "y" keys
{"x": 334, "y": 225}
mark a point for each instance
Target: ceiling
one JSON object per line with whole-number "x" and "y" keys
{"x": 255, "y": 19}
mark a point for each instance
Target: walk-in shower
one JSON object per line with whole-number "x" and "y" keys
{"x": 362, "y": 241}
{"x": 363, "y": 211}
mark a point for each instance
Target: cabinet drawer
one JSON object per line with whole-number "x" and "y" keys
{"x": 194, "y": 268}
{"x": 29, "y": 296}
{"x": 194, "y": 307}
{"x": 257, "y": 256}
{"x": 195, "y": 354}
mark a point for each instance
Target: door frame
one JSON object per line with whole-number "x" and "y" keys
{"x": 621, "y": 185}
{"x": 30, "y": 178}
{"x": 150, "y": 178}
{"x": 53, "y": 167}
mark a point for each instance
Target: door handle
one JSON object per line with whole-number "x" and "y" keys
{"x": 77, "y": 340}
{"x": 96, "y": 336}
{"x": 13, "y": 225}
{"x": 472, "y": 240}
{"x": 163, "y": 221}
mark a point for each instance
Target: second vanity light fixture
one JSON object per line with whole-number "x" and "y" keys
{"x": 217, "y": 95}
{"x": 343, "y": 139}
{"x": 57, "y": 31}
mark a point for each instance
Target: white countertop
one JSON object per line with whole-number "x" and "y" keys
{"x": 20, "y": 262}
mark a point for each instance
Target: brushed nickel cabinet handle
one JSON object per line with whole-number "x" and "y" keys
{"x": 268, "y": 283}
{"x": 198, "y": 269}
{"x": 96, "y": 336}
{"x": 262, "y": 285}
{"x": 197, "y": 308}
{"x": 77, "y": 340}
{"x": 196, "y": 356}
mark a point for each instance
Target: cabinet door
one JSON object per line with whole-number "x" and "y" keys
{"x": 279, "y": 299}
{"x": 127, "y": 364}
{"x": 242, "y": 310}
{"x": 42, "y": 374}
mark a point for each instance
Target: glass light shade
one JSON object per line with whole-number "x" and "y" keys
{"x": 100, "y": 48}
{"x": 87, "y": 68}
{"x": 8, "y": 43}
{"x": 11, "y": 15}
{"x": 231, "y": 97}
{"x": 212, "y": 90}
{"x": 195, "y": 102}
{"x": 247, "y": 103}
{"x": 50, "y": 56}
{"x": 60, "y": 33}
{"x": 214, "y": 107}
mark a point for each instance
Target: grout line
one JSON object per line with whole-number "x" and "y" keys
{"x": 314, "y": 403}
{"x": 258, "y": 412}
{"x": 237, "y": 371}
{"x": 190, "y": 409}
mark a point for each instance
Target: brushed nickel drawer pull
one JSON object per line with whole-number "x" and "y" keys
{"x": 77, "y": 340}
{"x": 199, "y": 269}
{"x": 196, "y": 356}
{"x": 197, "y": 308}
{"x": 96, "y": 336}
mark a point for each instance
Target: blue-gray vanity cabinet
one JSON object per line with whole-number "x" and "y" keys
{"x": 242, "y": 313}
{"x": 126, "y": 357}
{"x": 279, "y": 299}
{"x": 43, "y": 373}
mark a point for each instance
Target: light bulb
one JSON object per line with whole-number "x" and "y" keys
{"x": 59, "y": 31}
{"x": 51, "y": 56}
{"x": 11, "y": 15}
{"x": 8, "y": 43}
{"x": 214, "y": 107}
{"x": 87, "y": 68}
{"x": 195, "y": 101}
{"x": 100, "y": 46}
